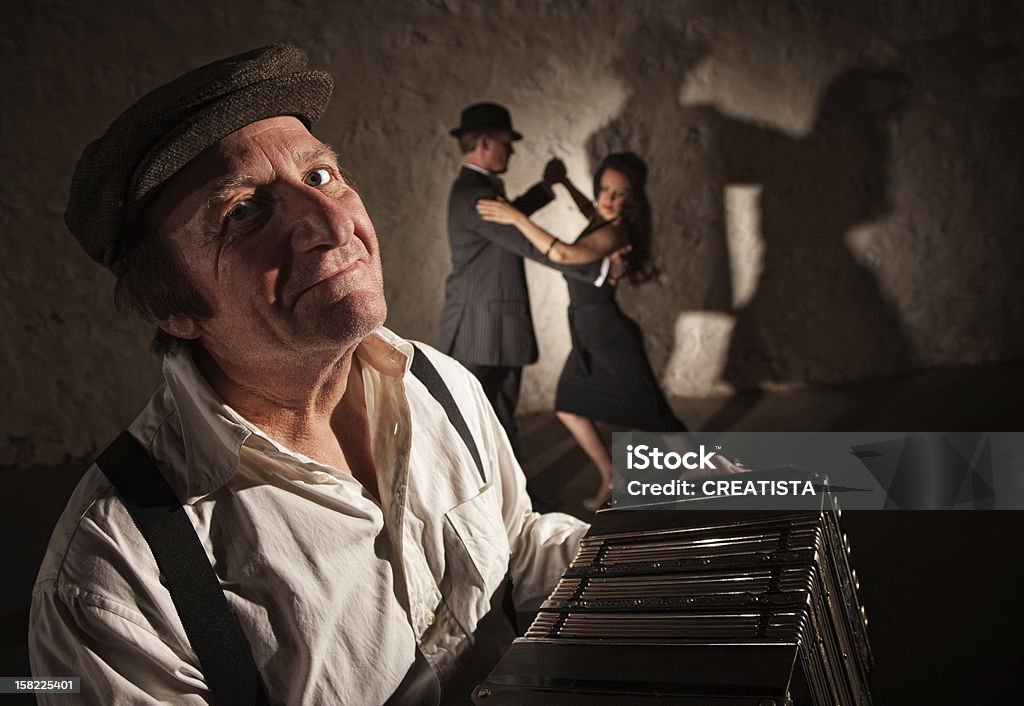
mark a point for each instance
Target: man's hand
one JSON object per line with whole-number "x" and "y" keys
{"x": 618, "y": 265}
{"x": 725, "y": 466}
{"x": 554, "y": 172}
{"x": 722, "y": 466}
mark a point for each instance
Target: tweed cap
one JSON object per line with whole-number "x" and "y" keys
{"x": 171, "y": 125}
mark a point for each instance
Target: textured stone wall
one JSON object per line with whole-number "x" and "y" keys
{"x": 836, "y": 186}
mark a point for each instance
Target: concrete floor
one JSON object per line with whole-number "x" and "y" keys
{"x": 942, "y": 589}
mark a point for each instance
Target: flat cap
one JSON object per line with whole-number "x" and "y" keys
{"x": 171, "y": 125}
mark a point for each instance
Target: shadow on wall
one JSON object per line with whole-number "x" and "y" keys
{"x": 816, "y": 313}
{"x": 969, "y": 105}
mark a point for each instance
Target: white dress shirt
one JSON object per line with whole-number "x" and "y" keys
{"x": 333, "y": 589}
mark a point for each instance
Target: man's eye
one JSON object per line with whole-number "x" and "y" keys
{"x": 242, "y": 210}
{"x": 318, "y": 177}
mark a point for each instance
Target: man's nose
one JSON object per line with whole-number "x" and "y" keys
{"x": 320, "y": 220}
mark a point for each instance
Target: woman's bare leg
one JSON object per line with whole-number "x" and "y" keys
{"x": 585, "y": 432}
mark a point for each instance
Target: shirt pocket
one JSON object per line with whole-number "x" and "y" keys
{"x": 477, "y": 555}
{"x": 479, "y": 527}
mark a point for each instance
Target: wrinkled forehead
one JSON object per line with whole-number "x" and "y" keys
{"x": 255, "y": 152}
{"x": 265, "y": 139}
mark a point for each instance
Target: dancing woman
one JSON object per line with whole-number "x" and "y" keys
{"x": 607, "y": 376}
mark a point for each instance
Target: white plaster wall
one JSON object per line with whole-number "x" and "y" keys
{"x": 878, "y": 245}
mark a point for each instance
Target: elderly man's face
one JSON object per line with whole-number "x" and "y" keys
{"x": 277, "y": 242}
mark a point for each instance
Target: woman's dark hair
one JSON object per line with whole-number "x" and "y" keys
{"x": 636, "y": 212}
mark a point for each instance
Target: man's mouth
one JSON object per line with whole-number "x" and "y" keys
{"x": 328, "y": 275}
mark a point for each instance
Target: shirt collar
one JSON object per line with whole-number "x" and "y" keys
{"x": 478, "y": 170}
{"x": 210, "y": 434}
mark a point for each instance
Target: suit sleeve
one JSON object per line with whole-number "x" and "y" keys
{"x": 508, "y": 237}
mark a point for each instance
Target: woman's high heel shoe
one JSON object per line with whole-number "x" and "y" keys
{"x": 599, "y": 500}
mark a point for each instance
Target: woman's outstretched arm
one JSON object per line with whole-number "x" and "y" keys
{"x": 555, "y": 173}
{"x": 583, "y": 203}
{"x": 601, "y": 243}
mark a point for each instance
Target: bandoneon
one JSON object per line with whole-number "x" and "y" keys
{"x": 687, "y": 606}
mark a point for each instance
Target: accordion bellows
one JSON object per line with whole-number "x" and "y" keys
{"x": 692, "y": 607}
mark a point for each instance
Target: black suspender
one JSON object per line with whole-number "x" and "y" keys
{"x": 186, "y": 571}
{"x": 426, "y": 373}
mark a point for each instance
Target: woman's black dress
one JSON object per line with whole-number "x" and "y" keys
{"x": 607, "y": 376}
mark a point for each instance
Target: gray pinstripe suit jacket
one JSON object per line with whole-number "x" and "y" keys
{"x": 486, "y": 315}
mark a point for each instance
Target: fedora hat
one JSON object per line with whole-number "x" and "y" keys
{"x": 151, "y": 141}
{"x": 483, "y": 117}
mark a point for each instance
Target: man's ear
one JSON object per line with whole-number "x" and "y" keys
{"x": 180, "y": 326}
